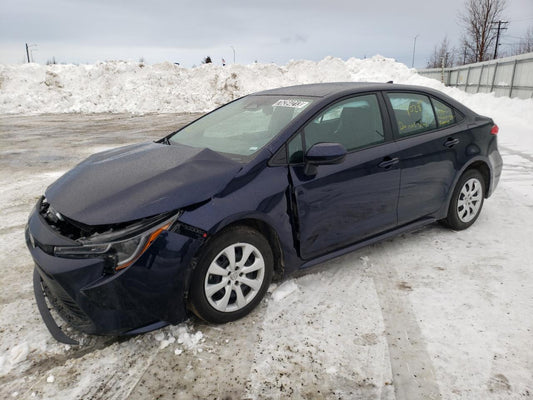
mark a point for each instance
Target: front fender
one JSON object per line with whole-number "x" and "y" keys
{"x": 264, "y": 199}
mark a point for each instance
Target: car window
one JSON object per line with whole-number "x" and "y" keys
{"x": 413, "y": 112}
{"x": 355, "y": 123}
{"x": 251, "y": 121}
{"x": 335, "y": 112}
{"x": 445, "y": 115}
{"x": 239, "y": 129}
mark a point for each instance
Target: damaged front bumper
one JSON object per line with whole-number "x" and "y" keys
{"x": 146, "y": 295}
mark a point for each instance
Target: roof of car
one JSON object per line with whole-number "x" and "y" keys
{"x": 325, "y": 89}
{"x": 332, "y": 90}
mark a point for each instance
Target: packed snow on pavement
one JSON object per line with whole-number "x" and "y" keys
{"x": 429, "y": 314}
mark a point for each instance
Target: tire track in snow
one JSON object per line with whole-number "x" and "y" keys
{"x": 505, "y": 379}
{"x": 412, "y": 368}
{"x": 522, "y": 154}
{"x": 323, "y": 338}
{"x": 215, "y": 368}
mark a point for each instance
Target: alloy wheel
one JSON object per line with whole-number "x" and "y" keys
{"x": 234, "y": 277}
{"x": 470, "y": 200}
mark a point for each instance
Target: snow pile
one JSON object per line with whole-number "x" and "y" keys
{"x": 185, "y": 339}
{"x": 119, "y": 86}
{"x": 284, "y": 290}
{"x": 188, "y": 340}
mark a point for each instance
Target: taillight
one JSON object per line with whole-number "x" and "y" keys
{"x": 494, "y": 130}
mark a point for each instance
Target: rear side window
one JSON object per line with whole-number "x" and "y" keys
{"x": 413, "y": 112}
{"x": 445, "y": 115}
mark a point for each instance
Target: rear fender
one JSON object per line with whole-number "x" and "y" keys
{"x": 472, "y": 163}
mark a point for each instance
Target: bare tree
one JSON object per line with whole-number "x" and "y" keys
{"x": 477, "y": 21}
{"x": 443, "y": 54}
{"x": 526, "y": 43}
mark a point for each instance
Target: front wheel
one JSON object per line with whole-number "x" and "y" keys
{"x": 467, "y": 201}
{"x": 232, "y": 275}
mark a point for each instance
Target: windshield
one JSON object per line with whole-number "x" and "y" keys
{"x": 243, "y": 127}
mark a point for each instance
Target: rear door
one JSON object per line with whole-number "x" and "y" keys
{"x": 431, "y": 143}
{"x": 347, "y": 202}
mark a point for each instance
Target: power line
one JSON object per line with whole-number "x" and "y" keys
{"x": 521, "y": 19}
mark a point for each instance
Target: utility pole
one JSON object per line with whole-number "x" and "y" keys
{"x": 499, "y": 28}
{"x": 414, "y": 48}
{"x": 28, "y": 52}
{"x": 233, "y": 48}
{"x": 443, "y": 62}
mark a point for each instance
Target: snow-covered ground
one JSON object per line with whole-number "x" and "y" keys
{"x": 430, "y": 314}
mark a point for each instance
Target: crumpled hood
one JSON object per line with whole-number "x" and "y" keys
{"x": 138, "y": 181}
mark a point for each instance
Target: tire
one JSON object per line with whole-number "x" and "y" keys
{"x": 225, "y": 286}
{"x": 467, "y": 201}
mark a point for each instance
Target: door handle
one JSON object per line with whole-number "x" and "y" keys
{"x": 388, "y": 162}
{"x": 450, "y": 142}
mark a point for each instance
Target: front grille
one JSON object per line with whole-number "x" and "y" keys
{"x": 67, "y": 308}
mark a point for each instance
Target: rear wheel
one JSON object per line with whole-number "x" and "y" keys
{"x": 232, "y": 275}
{"x": 467, "y": 201}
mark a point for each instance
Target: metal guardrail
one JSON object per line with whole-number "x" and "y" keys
{"x": 510, "y": 76}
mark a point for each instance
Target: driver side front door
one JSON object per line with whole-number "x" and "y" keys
{"x": 344, "y": 203}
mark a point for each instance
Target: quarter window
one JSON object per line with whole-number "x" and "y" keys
{"x": 355, "y": 123}
{"x": 413, "y": 112}
{"x": 445, "y": 115}
{"x": 296, "y": 154}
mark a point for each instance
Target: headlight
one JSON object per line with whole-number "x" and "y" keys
{"x": 125, "y": 246}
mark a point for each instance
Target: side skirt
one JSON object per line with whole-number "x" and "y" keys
{"x": 147, "y": 328}
{"x": 405, "y": 228}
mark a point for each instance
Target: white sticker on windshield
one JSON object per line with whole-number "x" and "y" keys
{"x": 292, "y": 103}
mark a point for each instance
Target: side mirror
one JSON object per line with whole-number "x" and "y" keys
{"x": 323, "y": 154}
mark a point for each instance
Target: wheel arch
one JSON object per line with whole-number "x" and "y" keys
{"x": 254, "y": 222}
{"x": 484, "y": 170}
{"x": 271, "y": 236}
{"x": 479, "y": 164}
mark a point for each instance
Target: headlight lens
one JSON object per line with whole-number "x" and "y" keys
{"x": 125, "y": 252}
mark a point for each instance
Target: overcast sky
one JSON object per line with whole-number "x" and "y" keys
{"x": 86, "y": 31}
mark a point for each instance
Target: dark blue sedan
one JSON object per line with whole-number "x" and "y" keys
{"x": 134, "y": 238}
